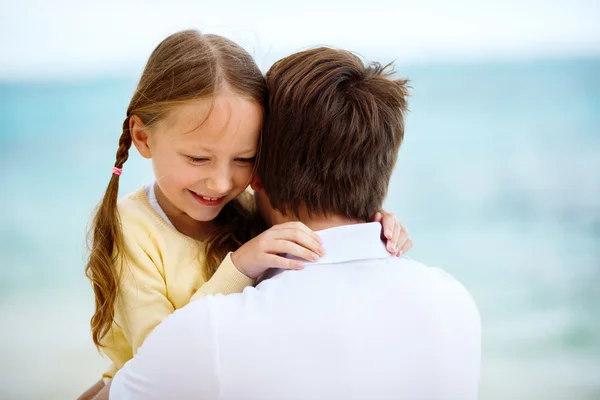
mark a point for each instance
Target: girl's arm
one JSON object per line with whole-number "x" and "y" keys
{"x": 295, "y": 239}
{"x": 103, "y": 394}
{"x": 263, "y": 252}
{"x": 92, "y": 391}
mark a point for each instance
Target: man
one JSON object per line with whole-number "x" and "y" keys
{"x": 357, "y": 324}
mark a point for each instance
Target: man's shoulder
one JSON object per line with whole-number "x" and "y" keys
{"x": 440, "y": 285}
{"x": 403, "y": 278}
{"x": 451, "y": 288}
{"x": 435, "y": 275}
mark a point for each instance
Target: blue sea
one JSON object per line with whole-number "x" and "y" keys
{"x": 498, "y": 182}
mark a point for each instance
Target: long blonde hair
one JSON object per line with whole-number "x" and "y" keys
{"x": 185, "y": 66}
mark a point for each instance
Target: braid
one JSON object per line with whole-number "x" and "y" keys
{"x": 107, "y": 243}
{"x": 124, "y": 145}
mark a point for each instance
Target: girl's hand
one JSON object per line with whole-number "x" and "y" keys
{"x": 394, "y": 233}
{"x": 262, "y": 252}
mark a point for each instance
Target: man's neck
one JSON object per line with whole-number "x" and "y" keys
{"x": 318, "y": 222}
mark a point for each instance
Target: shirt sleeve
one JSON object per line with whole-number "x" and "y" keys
{"x": 177, "y": 361}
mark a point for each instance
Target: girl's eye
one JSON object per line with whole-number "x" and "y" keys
{"x": 246, "y": 160}
{"x": 197, "y": 159}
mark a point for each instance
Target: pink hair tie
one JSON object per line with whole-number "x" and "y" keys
{"x": 117, "y": 171}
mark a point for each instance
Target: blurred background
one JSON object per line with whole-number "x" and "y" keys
{"x": 498, "y": 180}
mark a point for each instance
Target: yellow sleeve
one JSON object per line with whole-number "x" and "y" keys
{"x": 117, "y": 349}
{"x": 141, "y": 305}
{"x": 143, "y": 301}
{"x": 109, "y": 373}
{"x": 226, "y": 280}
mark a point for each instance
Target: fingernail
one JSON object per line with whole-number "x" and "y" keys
{"x": 322, "y": 250}
{"x": 400, "y": 253}
{"x": 388, "y": 234}
{"x": 314, "y": 257}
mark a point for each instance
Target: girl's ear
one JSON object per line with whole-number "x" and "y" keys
{"x": 256, "y": 184}
{"x": 139, "y": 136}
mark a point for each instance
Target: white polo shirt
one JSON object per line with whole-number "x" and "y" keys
{"x": 358, "y": 324}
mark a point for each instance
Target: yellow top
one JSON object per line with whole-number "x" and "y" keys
{"x": 161, "y": 271}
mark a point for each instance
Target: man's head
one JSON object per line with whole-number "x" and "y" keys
{"x": 332, "y": 133}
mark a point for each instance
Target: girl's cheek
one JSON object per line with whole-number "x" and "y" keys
{"x": 244, "y": 176}
{"x": 190, "y": 174}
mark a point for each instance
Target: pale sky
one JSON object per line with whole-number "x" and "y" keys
{"x": 69, "y": 38}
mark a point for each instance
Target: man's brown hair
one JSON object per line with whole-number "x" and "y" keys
{"x": 332, "y": 133}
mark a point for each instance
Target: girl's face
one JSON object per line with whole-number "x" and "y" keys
{"x": 203, "y": 154}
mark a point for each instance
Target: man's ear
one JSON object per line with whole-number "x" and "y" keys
{"x": 139, "y": 136}
{"x": 256, "y": 184}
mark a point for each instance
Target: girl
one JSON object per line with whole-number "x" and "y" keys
{"x": 197, "y": 113}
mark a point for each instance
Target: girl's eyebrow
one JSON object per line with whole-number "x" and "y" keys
{"x": 199, "y": 150}
{"x": 250, "y": 150}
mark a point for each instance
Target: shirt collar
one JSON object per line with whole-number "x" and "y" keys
{"x": 342, "y": 244}
{"x": 352, "y": 242}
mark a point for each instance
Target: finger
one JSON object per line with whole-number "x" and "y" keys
{"x": 275, "y": 261}
{"x": 402, "y": 239}
{"x": 406, "y": 247}
{"x": 301, "y": 237}
{"x": 299, "y": 226}
{"x": 388, "y": 221}
{"x": 396, "y": 235}
{"x": 377, "y": 217}
{"x": 294, "y": 249}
